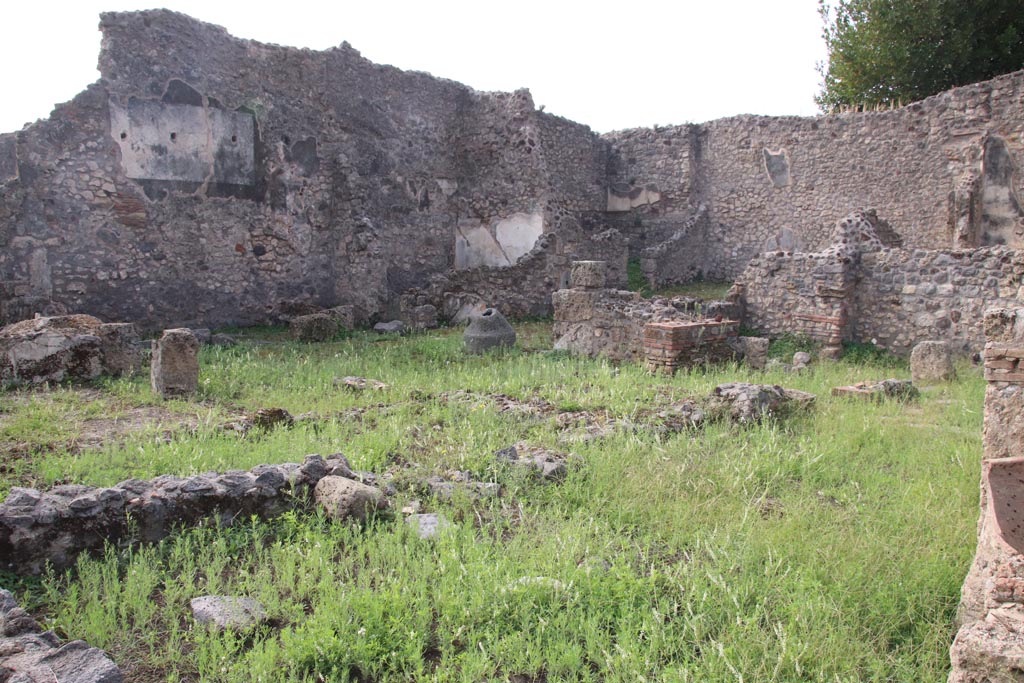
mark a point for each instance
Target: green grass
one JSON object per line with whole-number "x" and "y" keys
{"x": 701, "y": 289}
{"x": 829, "y": 547}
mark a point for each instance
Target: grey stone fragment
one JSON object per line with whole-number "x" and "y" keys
{"x": 489, "y": 330}
{"x": 28, "y": 655}
{"x": 428, "y": 525}
{"x": 225, "y": 612}
{"x": 931, "y": 361}
{"x": 744, "y": 403}
{"x": 801, "y": 359}
{"x": 391, "y": 327}
{"x": 342, "y": 498}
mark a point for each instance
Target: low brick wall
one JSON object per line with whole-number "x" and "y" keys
{"x": 671, "y": 345}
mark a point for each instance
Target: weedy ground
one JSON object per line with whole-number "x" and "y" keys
{"x": 830, "y": 546}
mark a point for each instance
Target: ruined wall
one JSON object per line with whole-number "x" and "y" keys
{"x": 989, "y": 645}
{"x": 780, "y": 182}
{"x": 210, "y": 180}
{"x": 894, "y": 297}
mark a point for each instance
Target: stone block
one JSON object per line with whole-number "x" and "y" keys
{"x": 119, "y": 346}
{"x": 225, "y": 612}
{"x": 174, "y": 369}
{"x": 315, "y": 327}
{"x": 931, "y": 361}
{"x": 588, "y": 275}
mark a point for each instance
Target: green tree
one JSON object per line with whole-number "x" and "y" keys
{"x": 884, "y": 51}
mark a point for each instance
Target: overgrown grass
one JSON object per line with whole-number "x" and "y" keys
{"x": 829, "y": 547}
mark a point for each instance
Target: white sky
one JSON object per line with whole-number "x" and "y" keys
{"x": 609, "y": 66}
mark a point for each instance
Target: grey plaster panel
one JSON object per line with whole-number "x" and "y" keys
{"x": 184, "y": 143}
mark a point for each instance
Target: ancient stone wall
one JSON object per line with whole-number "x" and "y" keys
{"x": 942, "y": 172}
{"x": 207, "y": 180}
{"x": 894, "y": 297}
{"x": 210, "y": 180}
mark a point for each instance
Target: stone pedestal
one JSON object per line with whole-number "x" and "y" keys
{"x": 175, "y": 368}
{"x": 930, "y": 362}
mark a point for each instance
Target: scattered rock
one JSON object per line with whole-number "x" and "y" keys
{"x": 174, "y": 368}
{"x": 801, "y": 359}
{"x": 931, "y": 361}
{"x": 224, "y": 340}
{"x": 428, "y": 525}
{"x": 203, "y": 334}
{"x": 29, "y": 655}
{"x": 343, "y": 498}
{"x": 271, "y": 418}
{"x": 546, "y": 464}
{"x": 489, "y": 330}
{"x": 446, "y": 488}
{"x": 900, "y": 389}
{"x": 744, "y": 403}
{"x": 315, "y": 327}
{"x": 680, "y": 416}
{"x": 359, "y": 383}
{"x": 391, "y": 327}
{"x": 225, "y": 612}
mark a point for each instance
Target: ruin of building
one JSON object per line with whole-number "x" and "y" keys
{"x": 205, "y": 180}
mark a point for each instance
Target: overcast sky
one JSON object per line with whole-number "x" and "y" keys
{"x": 607, "y": 65}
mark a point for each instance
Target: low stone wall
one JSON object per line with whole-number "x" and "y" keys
{"x": 55, "y": 526}
{"x": 990, "y": 643}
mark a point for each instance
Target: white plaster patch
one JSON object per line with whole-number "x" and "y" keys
{"x": 499, "y": 244}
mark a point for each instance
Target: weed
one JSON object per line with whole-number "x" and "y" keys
{"x": 776, "y": 551}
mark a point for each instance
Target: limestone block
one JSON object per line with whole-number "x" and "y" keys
{"x": 931, "y": 361}
{"x": 315, "y": 327}
{"x": 588, "y": 275}
{"x": 174, "y": 370}
{"x": 489, "y": 330}
{"x": 51, "y": 350}
{"x": 343, "y": 498}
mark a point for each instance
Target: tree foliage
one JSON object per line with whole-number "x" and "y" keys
{"x": 884, "y": 51}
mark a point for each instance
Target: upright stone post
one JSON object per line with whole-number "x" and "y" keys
{"x": 990, "y": 643}
{"x": 174, "y": 371}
